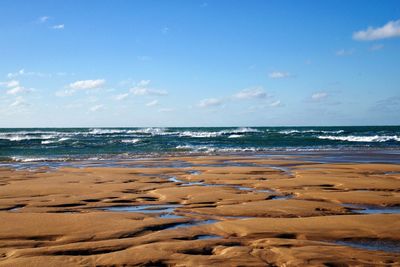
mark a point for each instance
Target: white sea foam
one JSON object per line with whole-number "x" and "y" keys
{"x": 99, "y": 131}
{"x": 36, "y": 159}
{"x": 353, "y": 138}
{"x": 196, "y": 134}
{"x": 208, "y": 134}
{"x": 211, "y": 149}
{"x": 46, "y": 142}
{"x": 151, "y": 131}
{"x": 235, "y": 136}
{"x": 131, "y": 141}
{"x": 310, "y": 131}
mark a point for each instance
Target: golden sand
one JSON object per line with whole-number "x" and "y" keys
{"x": 230, "y": 211}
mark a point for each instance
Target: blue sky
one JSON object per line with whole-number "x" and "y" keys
{"x": 199, "y": 63}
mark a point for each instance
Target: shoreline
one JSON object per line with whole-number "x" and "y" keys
{"x": 372, "y": 155}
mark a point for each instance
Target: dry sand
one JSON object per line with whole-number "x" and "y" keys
{"x": 227, "y": 211}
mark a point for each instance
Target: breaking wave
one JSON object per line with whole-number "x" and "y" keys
{"x": 353, "y": 138}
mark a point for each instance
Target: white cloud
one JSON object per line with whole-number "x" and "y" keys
{"x": 14, "y": 74}
{"x": 278, "y": 75}
{"x": 319, "y": 96}
{"x": 19, "y": 101}
{"x": 344, "y": 52}
{"x": 376, "y": 47}
{"x": 152, "y": 103}
{"x": 251, "y": 93}
{"x": 96, "y": 108}
{"x": 18, "y": 90}
{"x": 143, "y": 83}
{"x": 87, "y": 84}
{"x": 58, "y": 27}
{"x": 43, "y": 19}
{"x": 147, "y": 91}
{"x": 22, "y": 72}
{"x": 15, "y": 88}
{"x": 81, "y": 86}
{"x": 10, "y": 84}
{"x": 209, "y": 102}
{"x": 276, "y": 103}
{"x": 142, "y": 89}
{"x": 121, "y": 96}
{"x": 389, "y": 30}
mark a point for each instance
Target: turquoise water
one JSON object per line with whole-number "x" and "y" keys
{"x": 89, "y": 143}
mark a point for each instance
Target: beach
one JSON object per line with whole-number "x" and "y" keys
{"x": 202, "y": 210}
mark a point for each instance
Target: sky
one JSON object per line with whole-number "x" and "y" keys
{"x": 130, "y": 63}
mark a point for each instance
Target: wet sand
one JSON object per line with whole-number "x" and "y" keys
{"x": 202, "y": 211}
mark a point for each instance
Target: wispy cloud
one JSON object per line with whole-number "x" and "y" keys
{"x": 319, "y": 96}
{"x": 276, "y": 103}
{"x": 152, "y": 103}
{"x": 209, "y": 102}
{"x": 165, "y": 30}
{"x": 19, "y": 102}
{"x": 278, "y": 74}
{"x": 58, "y": 27}
{"x": 376, "y": 47}
{"x": 121, "y": 96}
{"x": 43, "y": 19}
{"x": 142, "y": 89}
{"x": 389, "y": 30}
{"x": 166, "y": 110}
{"x": 87, "y": 84}
{"x": 390, "y": 105}
{"x": 82, "y": 85}
{"x": 23, "y": 72}
{"x": 10, "y": 84}
{"x": 96, "y": 108}
{"x": 251, "y": 93}
{"x": 18, "y": 90}
{"x": 14, "y": 87}
{"x": 148, "y": 91}
{"x": 344, "y": 52}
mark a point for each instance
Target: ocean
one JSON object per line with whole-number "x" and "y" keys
{"x": 63, "y": 144}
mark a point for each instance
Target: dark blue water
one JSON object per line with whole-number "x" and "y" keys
{"x": 91, "y": 143}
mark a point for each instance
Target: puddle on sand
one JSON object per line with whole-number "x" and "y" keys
{"x": 144, "y": 208}
{"x": 285, "y": 197}
{"x": 184, "y": 183}
{"x": 201, "y": 237}
{"x": 372, "y": 209}
{"x": 171, "y": 216}
{"x": 372, "y": 244}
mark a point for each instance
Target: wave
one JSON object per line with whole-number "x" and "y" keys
{"x": 235, "y": 136}
{"x": 17, "y": 138}
{"x": 151, "y": 131}
{"x": 211, "y": 149}
{"x": 131, "y": 141}
{"x": 310, "y": 131}
{"x": 354, "y": 138}
{"x": 46, "y": 142}
{"x": 206, "y": 134}
{"x": 36, "y": 159}
{"x": 99, "y": 131}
